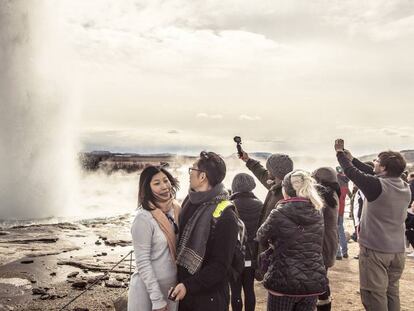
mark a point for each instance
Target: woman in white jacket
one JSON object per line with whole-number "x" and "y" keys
{"x": 154, "y": 239}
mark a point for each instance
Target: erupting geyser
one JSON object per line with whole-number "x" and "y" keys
{"x": 37, "y": 140}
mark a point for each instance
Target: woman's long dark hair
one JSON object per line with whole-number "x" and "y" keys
{"x": 327, "y": 191}
{"x": 145, "y": 194}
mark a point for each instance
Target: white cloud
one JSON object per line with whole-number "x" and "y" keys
{"x": 326, "y": 59}
{"x": 203, "y": 115}
{"x": 249, "y": 118}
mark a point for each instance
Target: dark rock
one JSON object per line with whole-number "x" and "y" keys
{"x": 102, "y": 277}
{"x": 79, "y": 284}
{"x": 27, "y": 261}
{"x": 98, "y": 242}
{"x": 104, "y": 254}
{"x": 33, "y": 240}
{"x": 52, "y": 294}
{"x": 4, "y": 233}
{"x": 117, "y": 243}
{"x": 39, "y": 291}
{"x": 80, "y": 309}
{"x": 53, "y": 274}
{"x": 31, "y": 278}
{"x": 73, "y": 274}
{"x": 120, "y": 278}
{"x": 114, "y": 284}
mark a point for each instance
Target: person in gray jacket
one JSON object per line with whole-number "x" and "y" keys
{"x": 381, "y": 238}
{"x": 277, "y": 166}
{"x": 154, "y": 240}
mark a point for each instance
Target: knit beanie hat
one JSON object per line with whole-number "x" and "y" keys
{"x": 279, "y": 165}
{"x": 325, "y": 174}
{"x": 243, "y": 182}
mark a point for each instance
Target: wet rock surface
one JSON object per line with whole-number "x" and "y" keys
{"x": 56, "y": 263}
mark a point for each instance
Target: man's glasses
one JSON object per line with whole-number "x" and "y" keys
{"x": 190, "y": 169}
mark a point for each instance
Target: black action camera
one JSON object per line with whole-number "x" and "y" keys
{"x": 170, "y": 296}
{"x": 237, "y": 140}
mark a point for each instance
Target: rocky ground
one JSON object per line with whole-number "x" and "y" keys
{"x": 44, "y": 267}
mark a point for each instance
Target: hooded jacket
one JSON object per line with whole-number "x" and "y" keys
{"x": 295, "y": 231}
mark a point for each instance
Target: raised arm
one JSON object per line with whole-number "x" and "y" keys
{"x": 368, "y": 184}
{"x": 259, "y": 171}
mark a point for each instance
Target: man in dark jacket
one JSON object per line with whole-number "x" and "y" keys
{"x": 277, "y": 166}
{"x": 204, "y": 255}
{"x": 381, "y": 238}
{"x": 249, "y": 208}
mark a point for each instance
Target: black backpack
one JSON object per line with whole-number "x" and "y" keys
{"x": 237, "y": 264}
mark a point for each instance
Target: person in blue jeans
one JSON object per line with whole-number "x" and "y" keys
{"x": 343, "y": 243}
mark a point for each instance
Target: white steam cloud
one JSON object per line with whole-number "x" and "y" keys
{"x": 37, "y": 149}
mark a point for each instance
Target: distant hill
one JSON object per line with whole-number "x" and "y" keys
{"x": 132, "y": 162}
{"x": 129, "y": 162}
{"x": 408, "y": 155}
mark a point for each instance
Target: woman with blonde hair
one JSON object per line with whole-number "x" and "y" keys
{"x": 294, "y": 230}
{"x": 154, "y": 232}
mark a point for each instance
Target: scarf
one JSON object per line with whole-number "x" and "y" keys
{"x": 159, "y": 212}
{"x": 193, "y": 242}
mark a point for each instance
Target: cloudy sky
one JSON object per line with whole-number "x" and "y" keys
{"x": 288, "y": 76}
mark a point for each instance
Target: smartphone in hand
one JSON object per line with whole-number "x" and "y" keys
{"x": 170, "y": 294}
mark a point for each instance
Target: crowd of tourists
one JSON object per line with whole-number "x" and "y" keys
{"x": 203, "y": 254}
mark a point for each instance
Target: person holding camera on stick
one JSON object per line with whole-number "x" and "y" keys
{"x": 277, "y": 166}
{"x": 381, "y": 237}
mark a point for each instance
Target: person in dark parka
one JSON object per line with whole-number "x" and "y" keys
{"x": 249, "y": 208}
{"x": 296, "y": 275}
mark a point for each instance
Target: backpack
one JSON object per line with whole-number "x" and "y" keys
{"x": 237, "y": 264}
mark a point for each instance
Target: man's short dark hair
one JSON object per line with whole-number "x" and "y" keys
{"x": 214, "y": 167}
{"x": 393, "y": 162}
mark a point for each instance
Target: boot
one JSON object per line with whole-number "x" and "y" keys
{"x": 326, "y": 307}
